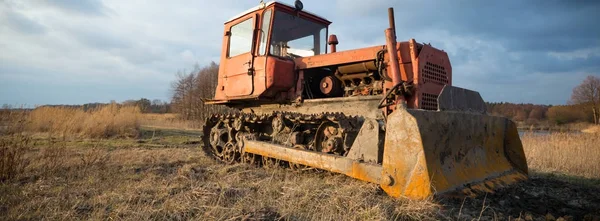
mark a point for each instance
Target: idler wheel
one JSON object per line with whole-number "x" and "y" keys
{"x": 218, "y": 138}
{"x": 329, "y": 138}
{"x": 229, "y": 153}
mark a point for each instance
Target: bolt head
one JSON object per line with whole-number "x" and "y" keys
{"x": 387, "y": 180}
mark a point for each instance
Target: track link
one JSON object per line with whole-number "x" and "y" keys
{"x": 331, "y": 133}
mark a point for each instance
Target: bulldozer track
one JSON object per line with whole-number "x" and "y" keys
{"x": 331, "y": 133}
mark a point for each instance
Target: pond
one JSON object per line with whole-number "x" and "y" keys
{"x": 543, "y": 132}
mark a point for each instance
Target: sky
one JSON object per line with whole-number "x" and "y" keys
{"x": 82, "y": 51}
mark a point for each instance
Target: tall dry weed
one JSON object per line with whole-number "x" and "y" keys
{"x": 52, "y": 157}
{"x": 12, "y": 152}
{"x": 13, "y": 144}
{"x": 103, "y": 122}
{"x": 567, "y": 153}
{"x": 96, "y": 156}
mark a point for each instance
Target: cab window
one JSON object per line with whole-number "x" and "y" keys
{"x": 266, "y": 24}
{"x": 293, "y": 36}
{"x": 240, "y": 41}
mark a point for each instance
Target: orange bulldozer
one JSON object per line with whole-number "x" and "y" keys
{"x": 386, "y": 114}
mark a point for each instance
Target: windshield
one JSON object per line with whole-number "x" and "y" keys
{"x": 297, "y": 37}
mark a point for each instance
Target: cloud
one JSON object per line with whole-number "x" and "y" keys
{"x": 76, "y": 51}
{"x": 82, "y": 7}
{"x": 19, "y": 22}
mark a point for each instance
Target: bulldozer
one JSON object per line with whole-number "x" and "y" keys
{"x": 386, "y": 114}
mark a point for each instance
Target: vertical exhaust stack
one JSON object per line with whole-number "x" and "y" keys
{"x": 392, "y": 21}
{"x": 390, "y": 37}
{"x": 333, "y": 42}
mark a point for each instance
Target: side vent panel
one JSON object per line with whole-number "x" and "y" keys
{"x": 435, "y": 73}
{"x": 429, "y": 101}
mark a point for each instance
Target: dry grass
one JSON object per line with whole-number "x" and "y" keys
{"x": 595, "y": 129}
{"x": 108, "y": 121}
{"x": 143, "y": 183}
{"x": 166, "y": 176}
{"x": 12, "y": 151}
{"x": 13, "y": 144}
{"x": 574, "y": 154}
{"x": 168, "y": 121}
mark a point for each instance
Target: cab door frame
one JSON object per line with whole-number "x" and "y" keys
{"x": 239, "y": 69}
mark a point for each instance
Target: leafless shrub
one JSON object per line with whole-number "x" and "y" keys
{"x": 12, "y": 151}
{"x": 95, "y": 156}
{"x": 13, "y": 144}
{"x": 52, "y": 157}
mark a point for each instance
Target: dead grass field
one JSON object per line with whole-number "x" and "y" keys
{"x": 103, "y": 122}
{"x": 574, "y": 154}
{"x": 141, "y": 180}
{"x": 168, "y": 121}
{"x": 162, "y": 174}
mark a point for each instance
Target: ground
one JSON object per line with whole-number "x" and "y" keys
{"x": 163, "y": 174}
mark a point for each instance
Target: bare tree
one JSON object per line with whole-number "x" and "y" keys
{"x": 190, "y": 90}
{"x": 588, "y": 92}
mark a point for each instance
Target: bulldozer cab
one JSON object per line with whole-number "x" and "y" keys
{"x": 265, "y": 40}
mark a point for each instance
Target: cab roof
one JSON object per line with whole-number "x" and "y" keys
{"x": 258, "y": 7}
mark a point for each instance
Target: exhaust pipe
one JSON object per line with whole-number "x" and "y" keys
{"x": 390, "y": 39}
{"x": 392, "y": 21}
{"x": 333, "y": 41}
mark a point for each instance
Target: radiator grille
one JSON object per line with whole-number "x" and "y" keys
{"x": 429, "y": 101}
{"x": 434, "y": 73}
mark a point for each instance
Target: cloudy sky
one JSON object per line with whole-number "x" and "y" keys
{"x": 80, "y": 51}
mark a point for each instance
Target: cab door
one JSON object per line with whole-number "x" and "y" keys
{"x": 239, "y": 68}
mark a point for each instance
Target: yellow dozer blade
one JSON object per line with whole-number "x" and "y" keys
{"x": 429, "y": 152}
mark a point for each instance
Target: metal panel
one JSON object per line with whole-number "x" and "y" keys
{"x": 460, "y": 99}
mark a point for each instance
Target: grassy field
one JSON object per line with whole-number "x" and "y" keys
{"x": 168, "y": 121}
{"x": 162, "y": 174}
{"x": 576, "y": 154}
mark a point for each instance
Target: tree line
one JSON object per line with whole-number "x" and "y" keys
{"x": 156, "y": 106}
{"x": 192, "y": 88}
{"x": 582, "y": 107}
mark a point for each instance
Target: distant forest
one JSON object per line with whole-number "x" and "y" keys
{"x": 535, "y": 114}
{"x": 584, "y": 106}
{"x": 192, "y": 88}
{"x": 145, "y": 105}
{"x": 527, "y": 113}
